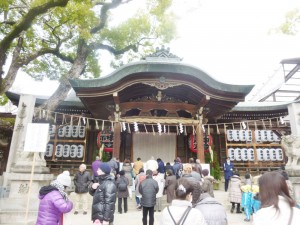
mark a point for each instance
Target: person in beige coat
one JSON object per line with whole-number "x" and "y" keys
{"x": 235, "y": 192}
{"x": 129, "y": 174}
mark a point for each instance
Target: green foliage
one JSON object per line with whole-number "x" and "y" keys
{"x": 105, "y": 156}
{"x": 215, "y": 170}
{"x": 63, "y": 28}
{"x": 7, "y": 121}
{"x": 3, "y": 99}
{"x": 291, "y": 26}
{"x": 215, "y": 167}
{"x": 207, "y": 157}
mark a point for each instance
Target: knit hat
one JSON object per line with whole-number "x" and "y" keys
{"x": 205, "y": 172}
{"x": 64, "y": 178}
{"x": 105, "y": 168}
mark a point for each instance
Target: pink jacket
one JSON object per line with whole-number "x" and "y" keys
{"x": 52, "y": 206}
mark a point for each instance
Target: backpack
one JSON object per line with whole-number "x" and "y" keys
{"x": 122, "y": 185}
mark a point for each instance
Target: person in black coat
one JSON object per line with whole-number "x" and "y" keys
{"x": 148, "y": 189}
{"x": 82, "y": 179}
{"x": 123, "y": 194}
{"x": 169, "y": 167}
{"x": 104, "y": 196}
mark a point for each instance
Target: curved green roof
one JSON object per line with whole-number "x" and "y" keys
{"x": 144, "y": 67}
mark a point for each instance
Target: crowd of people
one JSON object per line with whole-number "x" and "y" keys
{"x": 188, "y": 189}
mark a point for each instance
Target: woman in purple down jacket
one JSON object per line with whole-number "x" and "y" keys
{"x": 54, "y": 201}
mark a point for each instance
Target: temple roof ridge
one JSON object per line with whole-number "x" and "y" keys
{"x": 163, "y": 54}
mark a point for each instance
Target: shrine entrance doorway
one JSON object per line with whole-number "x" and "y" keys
{"x": 146, "y": 145}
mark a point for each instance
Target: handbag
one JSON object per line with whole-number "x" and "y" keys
{"x": 183, "y": 217}
{"x": 97, "y": 222}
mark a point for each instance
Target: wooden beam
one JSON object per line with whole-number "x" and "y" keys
{"x": 162, "y": 120}
{"x": 148, "y": 106}
{"x": 203, "y": 102}
{"x": 117, "y": 140}
{"x": 200, "y": 142}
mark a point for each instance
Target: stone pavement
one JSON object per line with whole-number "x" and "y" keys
{"x": 134, "y": 217}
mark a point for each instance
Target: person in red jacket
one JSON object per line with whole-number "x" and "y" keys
{"x": 54, "y": 201}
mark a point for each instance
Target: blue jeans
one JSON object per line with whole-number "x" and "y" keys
{"x": 138, "y": 200}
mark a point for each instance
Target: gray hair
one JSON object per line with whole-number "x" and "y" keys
{"x": 83, "y": 166}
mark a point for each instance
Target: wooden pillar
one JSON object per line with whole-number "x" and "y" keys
{"x": 200, "y": 143}
{"x": 117, "y": 140}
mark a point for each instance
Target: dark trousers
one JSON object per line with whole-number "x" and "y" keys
{"x": 237, "y": 207}
{"x": 226, "y": 184}
{"x": 120, "y": 205}
{"x": 145, "y": 215}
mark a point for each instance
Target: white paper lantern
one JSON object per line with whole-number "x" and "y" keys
{"x": 73, "y": 151}
{"x": 238, "y": 154}
{"x": 49, "y": 150}
{"x": 267, "y": 154}
{"x": 66, "y": 151}
{"x": 250, "y": 153}
{"x": 68, "y": 131}
{"x": 75, "y": 130}
{"x": 80, "y": 151}
{"x": 81, "y": 131}
{"x": 242, "y": 135}
{"x": 52, "y": 130}
{"x": 273, "y": 154}
{"x": 279, "y": 154}
{"x": 229, "y": 135}
{"x": 231, "y": 154}
{"x": 61, "y": 132}
{"x": 59, "y": 150}
{"x": 244, "y": 154}
{"x": 249, "y": 136}
{"x": 258, "y": 136}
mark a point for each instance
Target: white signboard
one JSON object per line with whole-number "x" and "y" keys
{"x": 37, "y": 137}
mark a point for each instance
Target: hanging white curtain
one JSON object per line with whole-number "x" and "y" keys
{"x": 159, "y": 146}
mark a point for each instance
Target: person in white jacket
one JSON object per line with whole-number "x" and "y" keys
{"x": 160, "y": 178}
{"x": 152, "y": 164}
{"x": 181, "y": 211}
{"x": 277, "y": 206}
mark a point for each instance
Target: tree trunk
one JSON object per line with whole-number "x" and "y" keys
{"x": 13, "y": 69}
{"x": 76, "y": 70}
{"x": 23, "y": 25}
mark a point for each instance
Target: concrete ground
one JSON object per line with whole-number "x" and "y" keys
{"x": 134, "y": 217}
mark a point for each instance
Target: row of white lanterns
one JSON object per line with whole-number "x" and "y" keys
{"x": 246, "y": 135}
{"x": 68, "y": 131}
{"x": 263, "y": 154}
{"x": 65, "y": 151}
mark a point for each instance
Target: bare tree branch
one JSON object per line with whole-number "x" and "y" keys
{"x": 18, "y": 62}
{"x": 103, "y": 15}
{"x": 113, "y": 50}
{"x": 8, "y": 22}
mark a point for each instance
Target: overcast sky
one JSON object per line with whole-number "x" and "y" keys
{"x": 232, "y": 40}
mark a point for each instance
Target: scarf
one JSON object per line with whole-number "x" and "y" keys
{"x": 60, "y": 188}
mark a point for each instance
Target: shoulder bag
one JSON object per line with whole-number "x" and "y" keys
{"x": 183, "y": 217}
